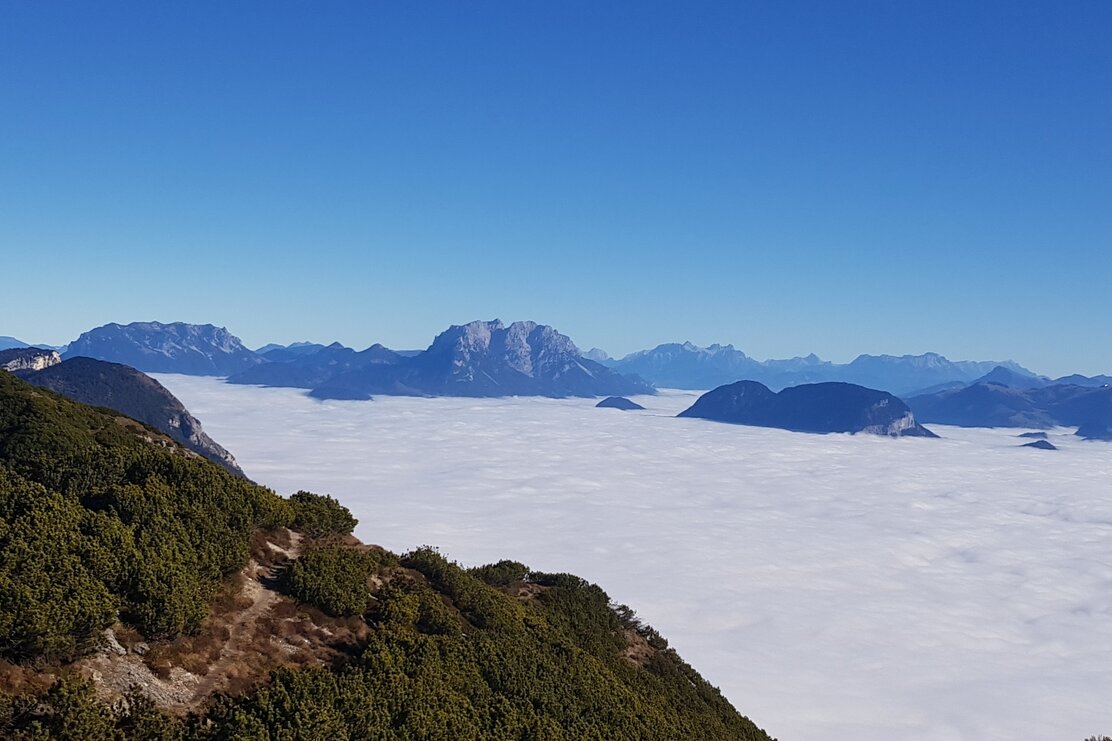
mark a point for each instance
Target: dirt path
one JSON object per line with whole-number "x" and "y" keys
{"x": 243, "y": 628}
{"x": 117, "y": 672}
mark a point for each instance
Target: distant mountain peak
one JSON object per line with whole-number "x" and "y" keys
{"x": 1004, "y": 376}
{"x": 176, "y": 347}
{"x": 8, "y": 343}
{"x": 489, "y": 358}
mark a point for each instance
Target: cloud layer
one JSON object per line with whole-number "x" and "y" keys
{"x": 832, "y": 586}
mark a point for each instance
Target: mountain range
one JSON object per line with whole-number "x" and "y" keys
{"x": 993, "y": 402}
{"x": 524, "y": 358}
{"x": 688, "y": 366}
{"x": 487, "y": 359}
{"x": 278, "y": 353}
{"x": 310, "y": 366}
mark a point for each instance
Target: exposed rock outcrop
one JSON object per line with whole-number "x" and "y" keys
{"x": 28, "y": 359}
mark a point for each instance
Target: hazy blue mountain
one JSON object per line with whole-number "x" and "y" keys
{"x": 619, "y": 402}
{"x": 936, "y": 389}
{"x": 279, "y": 353}
{"x": 994, "y": 405}
{"x": 192, "y": 349}
{"x": 1040, "y": 445}
{"x": 816, "y": 407}
{"x": 807, "y": 364}
{"x": 982, "y": 405}
{"x": 901, "y": 374}
{"x": 18, "y": 359}
{"x": 6, "y": 343}
{"x": 1011, "y": 378}
{"x": 1002, "y": 376}
{"x": 133, "y": 394}
{"x": 1095, "y": 430}
{"x": 488, "y": 359}
{"x": 314, "y": 369}
{"x": 688, "y": 366}
{"x": 1079, "y": 380}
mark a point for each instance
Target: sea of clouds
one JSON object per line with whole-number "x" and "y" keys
{"x": 833, "y": 586}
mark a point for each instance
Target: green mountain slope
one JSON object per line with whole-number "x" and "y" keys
{"x": 104, "y": 522}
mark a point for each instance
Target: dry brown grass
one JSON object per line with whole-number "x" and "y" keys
{"x": 525, "y": 591}
{"x": 17, "y": 680}
{"x": 251, "y": 630}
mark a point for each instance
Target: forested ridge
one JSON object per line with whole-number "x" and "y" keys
{"x": 105, "y": 523}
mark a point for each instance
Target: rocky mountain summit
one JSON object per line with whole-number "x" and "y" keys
{"x": 132, "y": 393}
{"x": 153, "y": 347}
{"x": 488, "y": 358}
{"x": 598, "y": 355}
{"x": 816, "y": 407}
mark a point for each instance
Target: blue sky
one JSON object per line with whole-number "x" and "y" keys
{"x": 822, "y": 177}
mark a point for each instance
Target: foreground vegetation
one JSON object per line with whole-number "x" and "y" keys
{"x": 102, "y": 520}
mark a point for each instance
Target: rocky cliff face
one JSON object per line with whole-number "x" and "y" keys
{"x": 28, "y": 359}
{"x": 533, "y": 350}
{"x": 815, "y": 407}
{"x": 192, "y": 349}
{"x": 133, "y": 394}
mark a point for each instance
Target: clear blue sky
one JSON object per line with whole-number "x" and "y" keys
{"x": 818, "y": 177}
